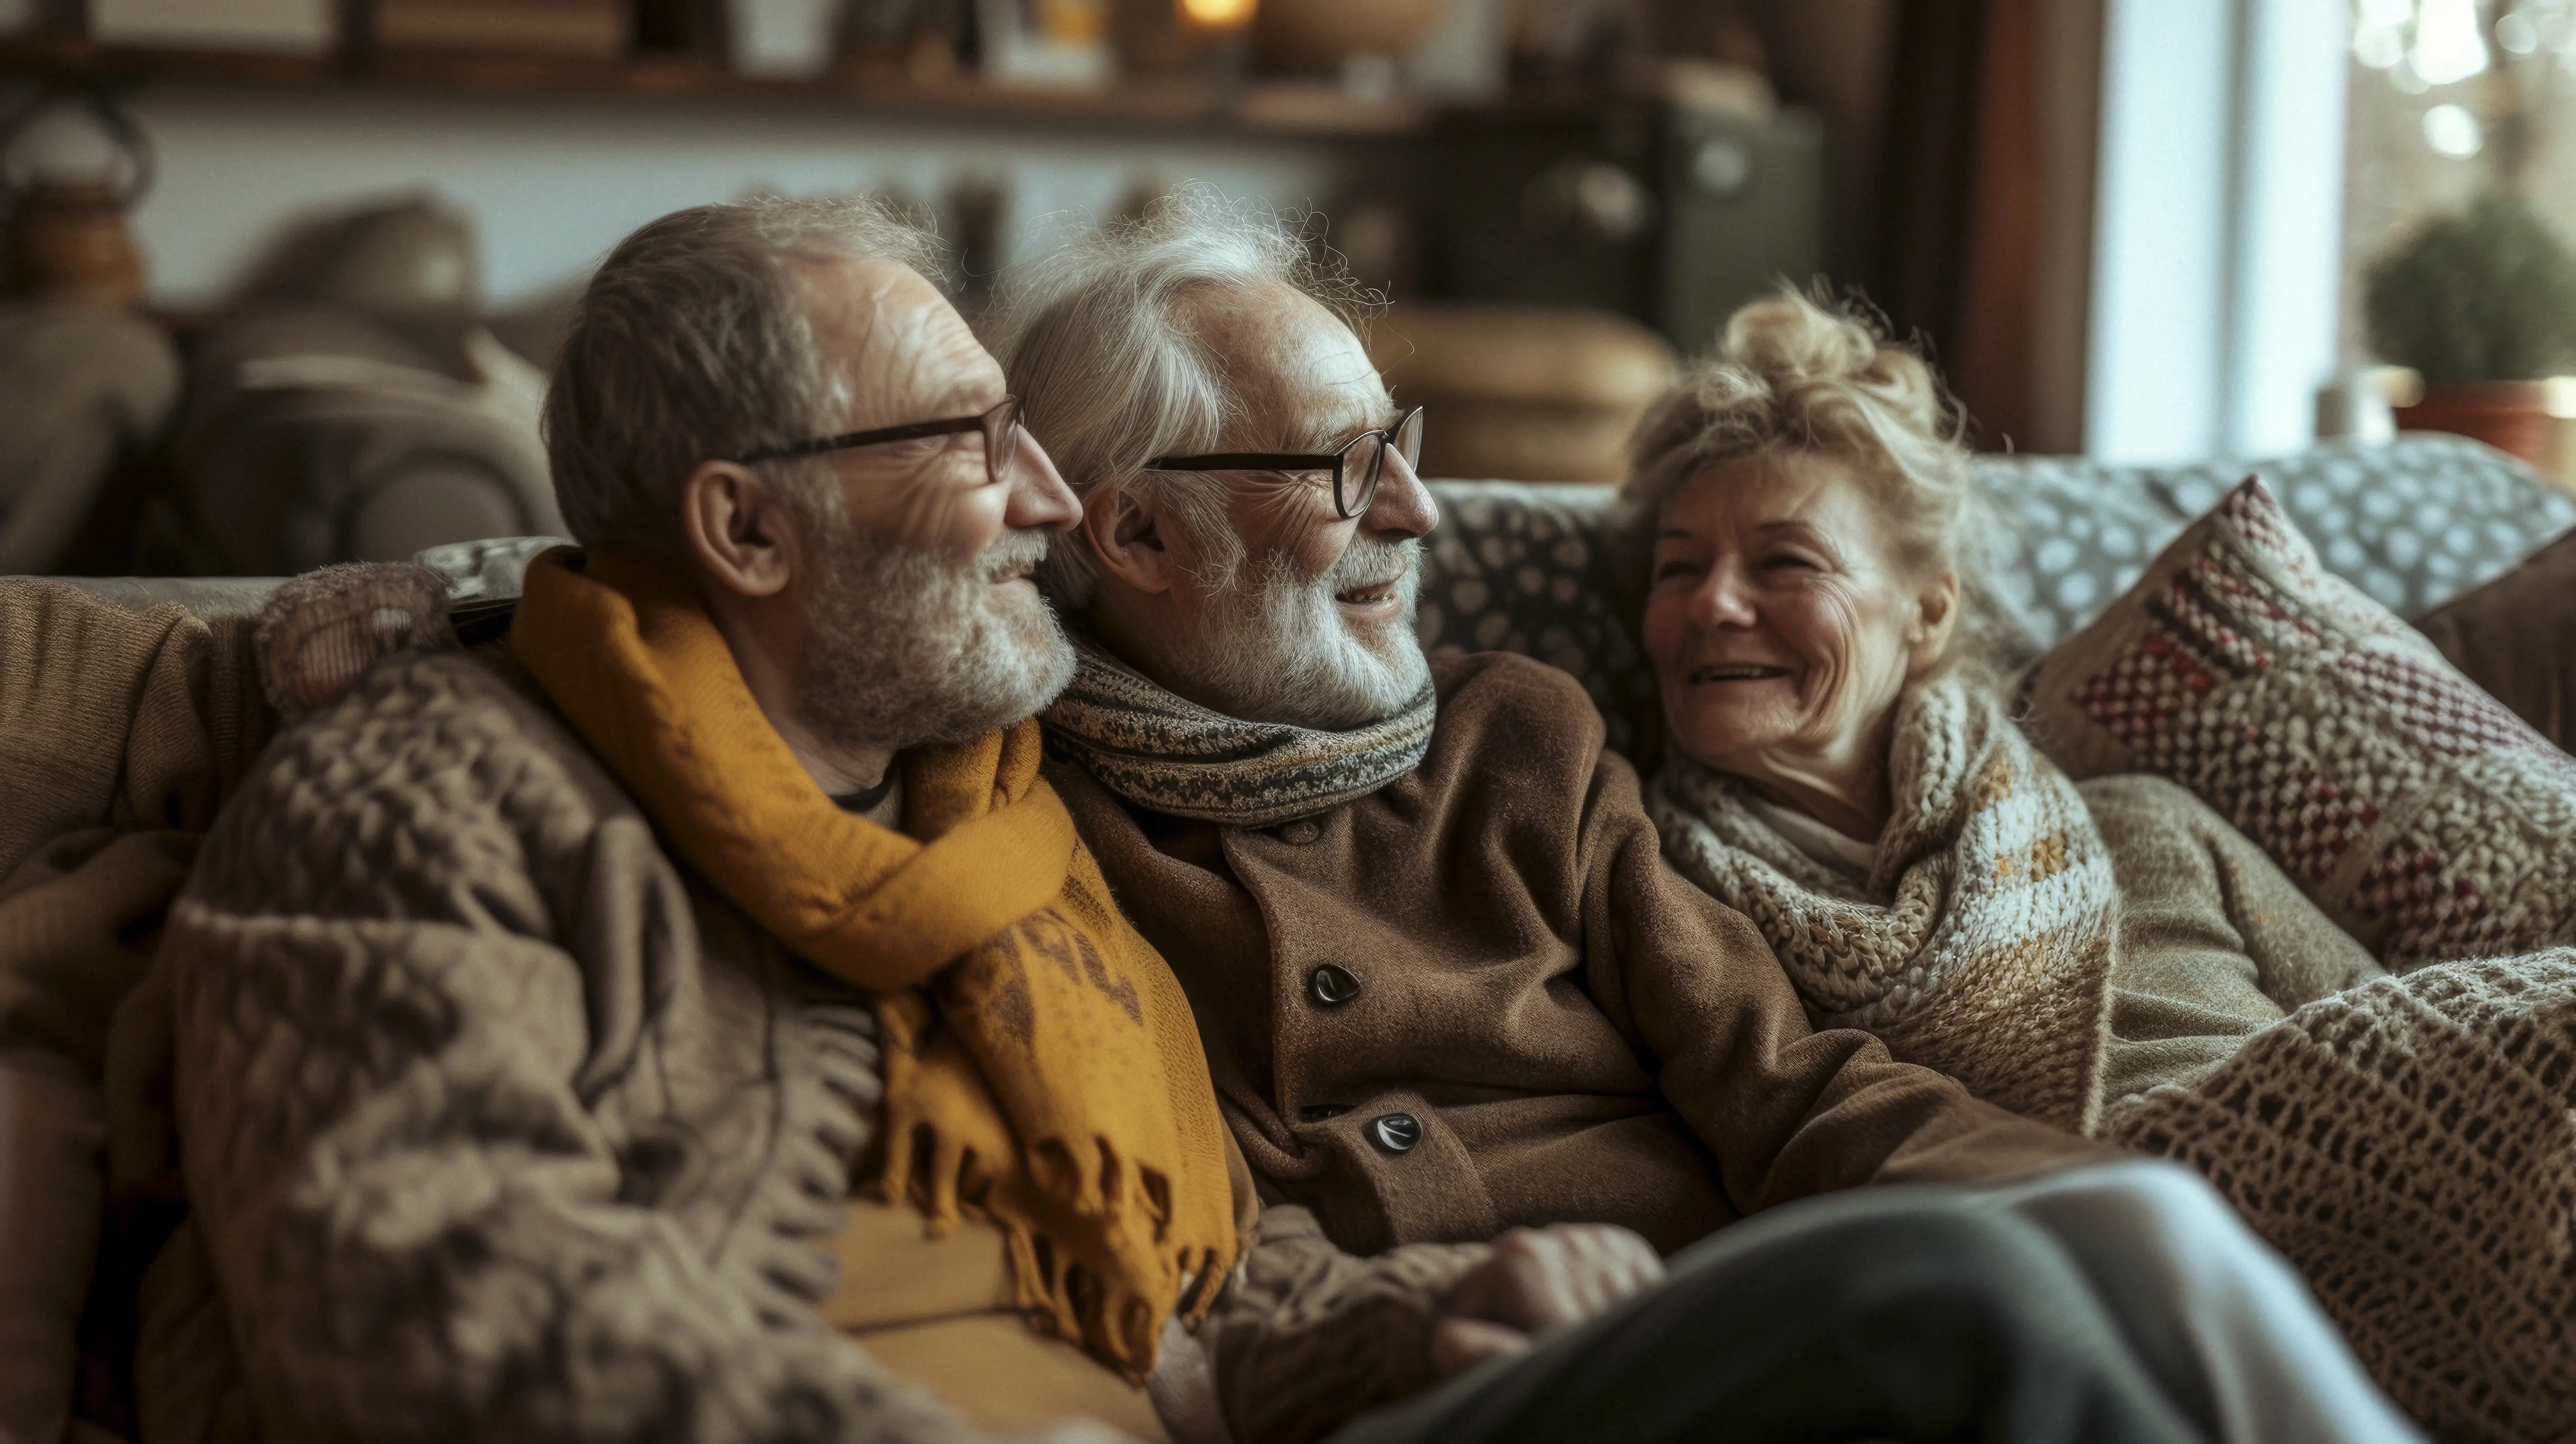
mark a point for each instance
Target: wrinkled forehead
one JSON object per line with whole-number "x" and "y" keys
{"x": 893, "y": 349}
{"x": 1302, "y": 376}
{"x": 1769, "y": 488}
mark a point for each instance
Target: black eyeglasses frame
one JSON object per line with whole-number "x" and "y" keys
{"x": 1334, "y": 462}
{"x": 1000, "y": 425}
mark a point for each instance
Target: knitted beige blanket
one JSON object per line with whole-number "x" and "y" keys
{"x": 1981, "y": 945}
{"x": 2408, "y": 1144}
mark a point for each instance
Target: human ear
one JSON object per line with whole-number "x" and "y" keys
{"x": 738, "y": 528}
{"x": 1126, "y": 532}
{"x": 1936, "y": 617}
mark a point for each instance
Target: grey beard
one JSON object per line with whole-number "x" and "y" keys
{"x": 1277, "y": 650}
{"x": 906, "y": 647}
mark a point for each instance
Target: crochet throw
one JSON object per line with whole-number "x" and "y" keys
{"x": 2409, "y": 1145}
{"x": 1165, "y": 752}
{"x": 1042, "y": 1066}
{"x": 1981, "y": 945}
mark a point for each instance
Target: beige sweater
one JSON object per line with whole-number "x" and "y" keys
{"x": 2215, "y": 943}
{"x": 498, "y": 1123}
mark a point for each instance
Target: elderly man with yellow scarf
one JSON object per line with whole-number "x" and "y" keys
{"x": 595, "y": 1036}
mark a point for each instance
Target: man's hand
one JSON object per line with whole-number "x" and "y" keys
{"x": 1538, "y": 1279}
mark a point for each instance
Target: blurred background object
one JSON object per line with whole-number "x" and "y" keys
{"x": 1046, "y": 42}
{"x": 86, "y": 384}
{"x": 306, "y": 27}
{"x": 597, "y": 30}
{"x": 72, "y": 165}
{"x": 352, "y": 406}
{"x": 915, "y": 40}
{"x": 1521, "y": 392}
{"x": 1332, "y": 36}
{"x": 787, "y": 38}
{"x": 84, "y": 390}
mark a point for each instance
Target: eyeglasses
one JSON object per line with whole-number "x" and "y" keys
{"x": 1001, "y": 428}
{"x": 1356, "y": 468}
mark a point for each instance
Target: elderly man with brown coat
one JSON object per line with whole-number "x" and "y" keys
{"x": 1449, "y": 989}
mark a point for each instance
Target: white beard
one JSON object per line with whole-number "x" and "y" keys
{"x": 1278, "y": 649}
{"x": 907, "y": 647}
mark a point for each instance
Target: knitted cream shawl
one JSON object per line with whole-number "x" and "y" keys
{"x": 1982, "y": 943}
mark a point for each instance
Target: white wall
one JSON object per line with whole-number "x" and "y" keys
{"x": 556, "y": 180}
{"x": 2217, "y": 227}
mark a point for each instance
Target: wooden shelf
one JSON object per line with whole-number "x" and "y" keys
{"x": 1283, "y": 108}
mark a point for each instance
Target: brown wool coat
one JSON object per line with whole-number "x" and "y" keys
{"x": 1580, "y": 1032}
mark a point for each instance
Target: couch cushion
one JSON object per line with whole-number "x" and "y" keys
{"x": 1523, "y": 567}
{"x": 2412, "y": 523}
{"x": 2419, "y": 813}
{"x": 2516, "y": 638}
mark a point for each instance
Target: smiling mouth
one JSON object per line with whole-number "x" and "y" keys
{"x": 1369, "y": 595}
{"x": 1737, "y": 672}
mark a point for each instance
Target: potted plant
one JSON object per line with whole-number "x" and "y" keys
{"x": 2482, "y": 306}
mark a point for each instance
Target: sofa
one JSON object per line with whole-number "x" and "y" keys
{"x": 2439, "y": 529}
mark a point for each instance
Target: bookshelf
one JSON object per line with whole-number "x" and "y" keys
{"x": 1307, "y": 110}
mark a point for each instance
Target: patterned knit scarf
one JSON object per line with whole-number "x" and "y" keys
{"x": 1983, "y": 944}
{"x": 1174, "y": 756}
{"x": 1043, "y": 1069}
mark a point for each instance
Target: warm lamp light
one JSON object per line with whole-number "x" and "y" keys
{"x": 1218, "y": 14}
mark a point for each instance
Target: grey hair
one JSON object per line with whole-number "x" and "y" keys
{"x": 693, "y": 343}
{"x": 1800, "y": 373}
{"x": 1098, "y": 344}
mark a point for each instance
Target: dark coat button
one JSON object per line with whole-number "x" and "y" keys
{"x": 1301, "y": 832}
{"x": 1331, "y": 986}
{"x": 1395, "y": 1132}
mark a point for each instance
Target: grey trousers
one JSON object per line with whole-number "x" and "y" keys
{"x": 2076, "y": 1309}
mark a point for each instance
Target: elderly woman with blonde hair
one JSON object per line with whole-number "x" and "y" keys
{"x": 1840, "y": 765}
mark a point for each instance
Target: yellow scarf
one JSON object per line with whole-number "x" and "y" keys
{"x": 1042, "y": 1067}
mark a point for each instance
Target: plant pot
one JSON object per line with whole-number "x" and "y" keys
{"x": 2507, "y": 415}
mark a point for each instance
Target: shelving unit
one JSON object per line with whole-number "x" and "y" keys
{"x": 1308, "y": 110}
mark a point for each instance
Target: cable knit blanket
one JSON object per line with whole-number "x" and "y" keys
{"x": 1989, "y": 957}
{"x": 2409, "y": 1145}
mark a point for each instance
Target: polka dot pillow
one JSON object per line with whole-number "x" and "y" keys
{"x": 2420, "y": 814}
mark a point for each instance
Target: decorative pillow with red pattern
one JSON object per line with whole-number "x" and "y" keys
{"x": 2420, "y": 814}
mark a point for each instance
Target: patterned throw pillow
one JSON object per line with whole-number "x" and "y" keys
{"x": 2419, "y": 813}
